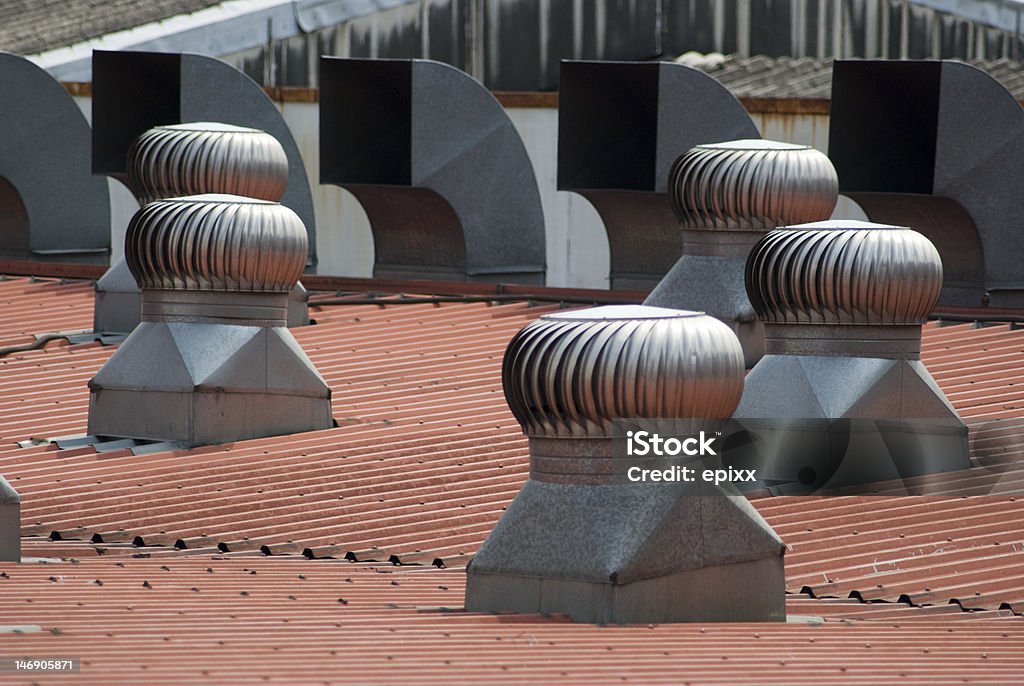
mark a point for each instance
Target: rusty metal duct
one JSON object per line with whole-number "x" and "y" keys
{"x": 581, "y": 540}
{"x": 51, "y": 207}
{"x": 621, "y": 125}
{"x": 841, "y": 396}
{"x": 936, "y": 145}
{"x": 438, "y": 167}
{"x": 726, "y": 196}
{"x": 212, "y": 360}
{"x": 10, "y": 523}
{"x": 190, "y": 159}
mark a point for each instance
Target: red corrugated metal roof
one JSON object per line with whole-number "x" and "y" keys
{"x": 417, "y": 394}
{"x": 32, "y": 306}
{"x": 245, "y": 620}
{"x": 424, "y": 460}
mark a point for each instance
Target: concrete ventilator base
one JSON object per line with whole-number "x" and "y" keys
{"x": 630, "y": 553}
{"x": 119, "y": 302}
{"x": 207, "y": 383}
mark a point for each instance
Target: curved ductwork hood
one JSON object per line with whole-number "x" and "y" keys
{"x": 621, "y": 125}
{"x": 439, "y": 168}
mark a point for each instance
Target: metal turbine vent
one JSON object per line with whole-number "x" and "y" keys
{"x": 626, "y": 361}
{"x": 206, "y": 157}
{"x": 191, "y": 159}
{"x": 751, "y": 185}
{"x": 843, "y": 303}
{"x": 211, "y": 360}
{"x": 134, "y": 91}
{"x": 726, "y": 195}
{"x": 193, "y": 244}
{"x": 581, "y": 541}
{"x": 858, "y": 274}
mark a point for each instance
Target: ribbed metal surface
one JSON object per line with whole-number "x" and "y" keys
{"x": 845, "y": 272}
{"x": 427, "y": 455}
{"x": 216, "y": 243}
{"x": 753, "y": 185}
{"x": 207, "y": 157}
{"x": 167, "y": 618}
{"x": 571, "y": 374}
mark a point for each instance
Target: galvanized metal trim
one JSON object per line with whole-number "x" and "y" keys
{"x": 837, "y": 340}
{"x": 844, "y": 272}
{"x": 217, "y": 307}
{"x": 752, "y": 185}
{"x": 572, "y": 376}
{"x": 719, "y": 242}
{"x": 216, "y": 243}
{"x": 206, "y": 157}
{"x": 582, "y": 461}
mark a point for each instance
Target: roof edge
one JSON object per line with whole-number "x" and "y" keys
{"x": 223, "y": 29}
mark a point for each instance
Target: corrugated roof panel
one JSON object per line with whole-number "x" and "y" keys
{"x": 759, "y": 76}
{"x": 215, "y": 620}
{"x": 46, "y": 24}
{"x": 427, "y": 455}
{"x": 67, "y": 307}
